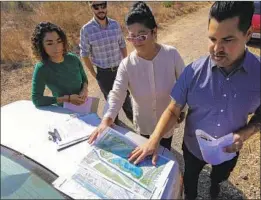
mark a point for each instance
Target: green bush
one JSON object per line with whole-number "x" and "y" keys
{"x": 167, "y": 4}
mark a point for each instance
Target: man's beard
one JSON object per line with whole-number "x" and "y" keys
{"x": 101, "y": 18}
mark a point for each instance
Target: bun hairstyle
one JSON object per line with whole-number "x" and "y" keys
{"x": 141, "y": 13}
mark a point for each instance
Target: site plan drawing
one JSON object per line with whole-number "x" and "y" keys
{"x": 106, "y": 172}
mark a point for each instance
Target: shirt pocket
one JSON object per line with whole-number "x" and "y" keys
{"x": 201, "y": 98}
{"x": 112, "y": 45}
{"x": 247, "y": 100}
{"x": 96, "y": 39}
{"x": 94, "y": 42}
{"x": 113, "y": 39}
{"x": 112, "y": 36}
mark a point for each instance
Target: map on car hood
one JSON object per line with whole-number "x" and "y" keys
{"x": 106, "y": 172}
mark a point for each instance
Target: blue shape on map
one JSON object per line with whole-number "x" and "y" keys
{"x": 122, "y": 152}
{"x": 116, "y": 150}
{"x": 127, "y": 167}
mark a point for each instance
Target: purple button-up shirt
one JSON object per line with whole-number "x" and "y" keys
{"x": 219, "y": 104}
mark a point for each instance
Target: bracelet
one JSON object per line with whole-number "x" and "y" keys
{"x": 69, "y": 99}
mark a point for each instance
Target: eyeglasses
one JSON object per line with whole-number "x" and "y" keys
{"x": 100, "y": 5}
{"x": 140, "y": 38}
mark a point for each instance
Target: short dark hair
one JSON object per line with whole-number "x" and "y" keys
{"x": 91, "y": 2}
{"x": 38, "y": 35}
{"x": 141, "y": 13}
{"x": 222, "y": 10}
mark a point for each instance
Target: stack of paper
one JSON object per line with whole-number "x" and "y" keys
{"x": 90, "y": 106}
{"x": 106, "y": 173}
{"x": 72, "y": 130}
{"x": 212, "y": 149}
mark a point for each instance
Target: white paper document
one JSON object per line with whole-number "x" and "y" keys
{"x": 86, "y": 184}
{"x": 212, "y": 149}
{"x": 73, "y": 130}
{"x": 87, "y": 107}
{"x": 106, "y": 172}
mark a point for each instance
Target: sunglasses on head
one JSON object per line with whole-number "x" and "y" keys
{"x": 100, "y": 5}
{"x": 139, "y": 38}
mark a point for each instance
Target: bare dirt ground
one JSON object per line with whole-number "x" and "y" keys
{"x": 189, "y": 35}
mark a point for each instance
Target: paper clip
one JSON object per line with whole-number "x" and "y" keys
{"x": 52, "y": 136}
{"x": 57, "y": 134}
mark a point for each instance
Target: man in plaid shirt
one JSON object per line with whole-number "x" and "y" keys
{"x": 102, "y": 45}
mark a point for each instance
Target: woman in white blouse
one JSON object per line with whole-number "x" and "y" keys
{"x": 149, "y": 73}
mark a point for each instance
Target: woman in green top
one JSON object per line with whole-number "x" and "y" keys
{"x": 60, "y": 71}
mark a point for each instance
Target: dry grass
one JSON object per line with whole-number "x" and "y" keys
{"x": 16, "y": 63}
{"x": 71, "y": 16}
{"x": 17, "y": 27}
{"x": 246, "y": 175}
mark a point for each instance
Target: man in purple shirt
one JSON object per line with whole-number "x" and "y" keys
{"x": 221, "y": 90}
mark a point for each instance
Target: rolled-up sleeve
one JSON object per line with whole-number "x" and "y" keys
{"x": 180, "y": 90}
{"x": 85, "y": 47}
{"x": 256, "y": 118}
{"x": 179, "y": 68}
{"x": 118, "y": 93}
{"x": 179, "y": 64}
{"x": 122, "y": 43}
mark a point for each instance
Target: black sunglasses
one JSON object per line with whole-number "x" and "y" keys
{"x": 101, "y": 5}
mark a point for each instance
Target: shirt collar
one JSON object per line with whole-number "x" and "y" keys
{"x": 98, "y": 24}
{"x": 243, "y": 64}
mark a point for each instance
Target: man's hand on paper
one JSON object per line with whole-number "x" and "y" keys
{"x": 148, "y": 148}
{"x": 103, "y": 125}
{"x": 237, "y": 144}
{"x": 76, "y": 99}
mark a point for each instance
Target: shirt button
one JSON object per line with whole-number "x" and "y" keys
{"x": 221, "y": 110}
{"x": 218, "y": 124}
{"x": 224, "y": 95}
{"x": 227, "y": 79}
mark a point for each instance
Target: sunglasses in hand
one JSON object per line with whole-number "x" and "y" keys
{"x": 100, "y": 5}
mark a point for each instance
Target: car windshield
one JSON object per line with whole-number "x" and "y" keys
{"x": 21, "y": 178}
{"x": 257, "y": 7}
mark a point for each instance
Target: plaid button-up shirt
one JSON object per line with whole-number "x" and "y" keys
{"x": 103, "y": 45}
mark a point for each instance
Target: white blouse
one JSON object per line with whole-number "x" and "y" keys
{"x": 150, "y": 83}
